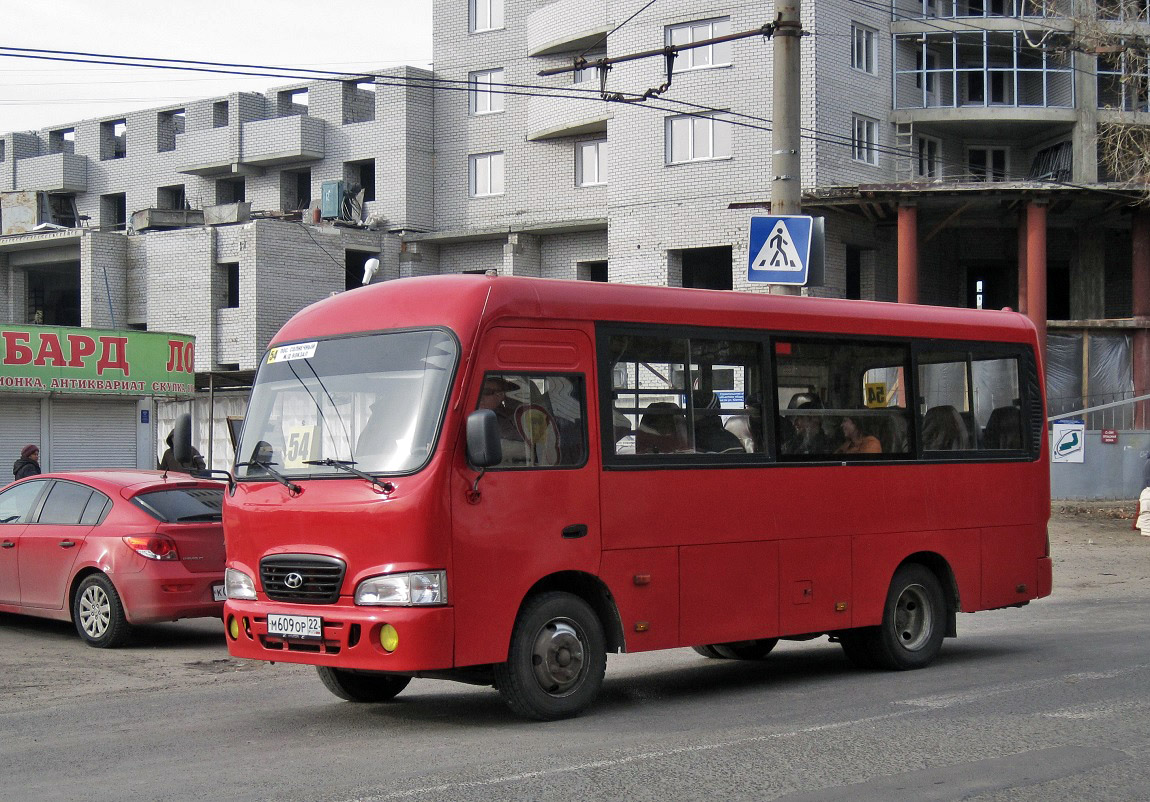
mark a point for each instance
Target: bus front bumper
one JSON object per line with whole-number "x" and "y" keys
{"x": 351, "y": 636}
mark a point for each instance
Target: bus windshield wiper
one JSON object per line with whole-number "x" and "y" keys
{"x": 348, "y": 465}
{"x": 272, "y": 472}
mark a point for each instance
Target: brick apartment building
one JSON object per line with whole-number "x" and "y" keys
{"x": 950, "y": 145}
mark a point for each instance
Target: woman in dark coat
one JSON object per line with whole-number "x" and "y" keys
{"x": 29, "y": 462}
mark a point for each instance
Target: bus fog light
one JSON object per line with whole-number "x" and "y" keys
{"x": 233, "y": 627}
{"x": 388, "y": 638}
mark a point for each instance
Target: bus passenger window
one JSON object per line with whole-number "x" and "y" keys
{"x": 684, "y": 396}
{"x": 541, "y": 419}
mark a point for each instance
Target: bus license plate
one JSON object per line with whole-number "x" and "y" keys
{"x": 218, "y": 593}
{"x": 295, "y": 626}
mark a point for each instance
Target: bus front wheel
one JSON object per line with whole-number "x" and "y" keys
{"x": 354, "y": 686}
{"x": 913, "y": 621}
{"x": 556, "y": 660}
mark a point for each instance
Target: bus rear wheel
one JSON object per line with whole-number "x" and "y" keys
{"x": 739, "y": 650}
{"x": 913, "y": 621}
{"x": 356, "y": 686}
{"x": 556, "y": 660}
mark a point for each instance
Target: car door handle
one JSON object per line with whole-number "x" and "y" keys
{"x": 574, "y": 530}
{"x": 67, "y": 544}
{"x": 7, "y": 544}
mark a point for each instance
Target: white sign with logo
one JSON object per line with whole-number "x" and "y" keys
{"x": 1068, "y": 441}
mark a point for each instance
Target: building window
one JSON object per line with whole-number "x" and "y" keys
{"x": 168, "y": 125}
{"x": 62, "y": 140}
{"x": 588, "y": 73}
{"x": 485, "y": 174}
{"x": 591, "y": 163}
{"x": 928, "y": 153}
{"x": 716, "y": 55}
{"x": 230, "y": 190}
{"x": 113, "y": 140}
{"x": 220, "y": 114}
{"x": 113, "y": 212}
{"x": 227, "y": 285}
{"x": 864, "y": 40}
{"x": 171, "y": 197}
{"x": 485, "y": 91}
{"x": 591, "y": 271}
{"x": 295, "y": 190}
{"x": 987, "y": 164}
{"x": 1, "y": 150}
{"x": 864, "y": 140}
{"x": 292, "y": 102}
{"x": 485, "y": 15}
{"x": 927, "y": 75}
{"x": 691, "y": 138}
{"x": 359, "y": 101}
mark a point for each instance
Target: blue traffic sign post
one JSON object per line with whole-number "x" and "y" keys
{"x": 785, "y": 249}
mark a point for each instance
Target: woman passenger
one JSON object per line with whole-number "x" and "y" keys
{"x": 858, "y": 441}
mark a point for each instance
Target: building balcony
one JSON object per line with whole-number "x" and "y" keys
{"x": 566, "y": 25}
{"x": 281, "y": 140}
{"x": 968, "y": 9}
{"x": 551, "y": 117}
{"x": 56, "y": 172}
{"x": 255, "y": 145}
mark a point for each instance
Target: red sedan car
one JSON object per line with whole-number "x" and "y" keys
{"x": 112, "y": 548}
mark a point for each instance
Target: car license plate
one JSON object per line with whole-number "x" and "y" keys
{"x": 295, "y": 626}
{"x": 218, "y": 593}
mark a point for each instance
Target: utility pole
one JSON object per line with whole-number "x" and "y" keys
{"x": 786, "y": 161}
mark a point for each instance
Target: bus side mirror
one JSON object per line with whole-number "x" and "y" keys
{"x": 483, "y": 446}
{"x": 182, "y": 439}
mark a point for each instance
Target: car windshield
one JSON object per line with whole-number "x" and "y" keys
{"x": 370, "y": 402}
{"x": 182, "y": 504}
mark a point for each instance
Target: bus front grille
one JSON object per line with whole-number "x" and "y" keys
{"x": 302, "y": 578}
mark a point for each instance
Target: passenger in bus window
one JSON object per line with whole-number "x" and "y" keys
{"x": 710, "y": 436}
{"x": 493, "y": 396}
{"x": 943, "y": 430}
{"x": 808, "y": 436}
{"x": 662, "y": 429}
{"x": 858, "y": 439}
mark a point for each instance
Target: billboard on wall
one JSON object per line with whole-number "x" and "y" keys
{"x": 59, "y": 359}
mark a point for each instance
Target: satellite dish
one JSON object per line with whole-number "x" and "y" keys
{"x": 370, "y": 268}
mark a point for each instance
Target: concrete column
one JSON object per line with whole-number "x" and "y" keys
{"x": 907, "y": 254}
{"x": 1140, "y": 275}
{"x": 1036, "y": 270}
{"x": 1022, "y": 236}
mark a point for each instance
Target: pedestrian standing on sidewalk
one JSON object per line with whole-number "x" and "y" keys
{"x": 29, "y": 462}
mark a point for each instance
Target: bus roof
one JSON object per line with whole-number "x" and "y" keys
{"x": 459, "y": 301}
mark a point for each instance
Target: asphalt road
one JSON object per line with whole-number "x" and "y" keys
{"x": 1048, "y": 702}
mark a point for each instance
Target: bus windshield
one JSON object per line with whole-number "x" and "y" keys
{"x": 370, "y": 402}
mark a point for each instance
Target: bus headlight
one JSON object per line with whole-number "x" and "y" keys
{"x": 239, "y": 585}
{"x": 404, "y": 590}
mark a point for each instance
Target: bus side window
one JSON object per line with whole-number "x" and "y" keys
{"x": 542, "y": 418}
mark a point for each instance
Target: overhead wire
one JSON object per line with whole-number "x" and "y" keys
{"x": 460, "y": 85}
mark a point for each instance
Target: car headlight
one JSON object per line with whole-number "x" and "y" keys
{"x": 404, "y": 590}
{"x": 239, "y": 585}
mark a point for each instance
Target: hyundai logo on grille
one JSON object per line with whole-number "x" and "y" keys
{"x": 293, "y": 580}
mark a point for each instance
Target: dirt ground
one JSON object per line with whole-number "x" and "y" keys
{"x": 1095, "y": 548}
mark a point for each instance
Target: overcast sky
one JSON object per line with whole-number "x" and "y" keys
{"x": 320, "y": 35}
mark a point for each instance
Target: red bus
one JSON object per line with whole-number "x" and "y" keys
{"x": 501, "y": 480}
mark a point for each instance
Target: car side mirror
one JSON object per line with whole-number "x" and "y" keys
{"x": 483, "y": 446}
{"x": 182, "y": 439}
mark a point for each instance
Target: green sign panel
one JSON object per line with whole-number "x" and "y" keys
{"x": 55, "y": 359}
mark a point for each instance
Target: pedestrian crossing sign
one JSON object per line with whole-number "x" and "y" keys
{"x": 780, "y": 249}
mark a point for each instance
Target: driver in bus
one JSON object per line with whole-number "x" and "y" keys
{"x": 493, "y": 396}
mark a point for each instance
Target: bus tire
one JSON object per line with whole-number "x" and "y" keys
{"x": 708, "y": 652}
{"x": 745, "y": 649}
{"x": 913, "y": 621}
{"x": 355, "y": 686}
{"x": 556, "y": 659}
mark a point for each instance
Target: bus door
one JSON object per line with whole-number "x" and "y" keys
{"x": 537, "y": 512}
